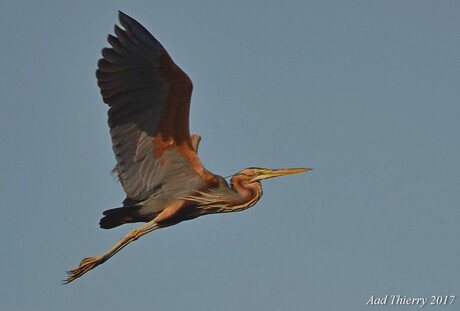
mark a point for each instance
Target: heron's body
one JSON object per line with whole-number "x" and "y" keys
{"x": 172, "y": 209}
{"x": 157, "y": 163}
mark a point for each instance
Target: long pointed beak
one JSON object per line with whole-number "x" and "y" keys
{"x": 280, "y": 172}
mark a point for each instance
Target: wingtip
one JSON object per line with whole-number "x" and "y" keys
{"x": 127, "y": 21}
{"x": 135, "y": 29}
{"x": 123, "y": 17}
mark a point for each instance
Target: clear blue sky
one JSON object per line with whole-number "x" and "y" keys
{"x": 365, "y": 92}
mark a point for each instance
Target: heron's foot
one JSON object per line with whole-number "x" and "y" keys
{"x": 85, "y": 265}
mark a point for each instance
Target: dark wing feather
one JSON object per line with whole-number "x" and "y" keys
{"x": 149, "y": 99}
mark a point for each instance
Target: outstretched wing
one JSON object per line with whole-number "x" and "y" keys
{"x": 149, "y": 100}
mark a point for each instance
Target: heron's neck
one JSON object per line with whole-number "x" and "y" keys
{"x": 248, "y": 193}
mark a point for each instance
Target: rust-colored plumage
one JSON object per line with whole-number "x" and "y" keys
{"x": 165, "y": 183}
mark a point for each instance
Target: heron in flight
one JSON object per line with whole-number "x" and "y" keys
{"x": 165, "y": 183}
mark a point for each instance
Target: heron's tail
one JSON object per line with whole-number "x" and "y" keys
{"x": 118, "y": 216}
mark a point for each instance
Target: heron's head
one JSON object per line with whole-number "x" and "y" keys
{"x": 254, "y": 174}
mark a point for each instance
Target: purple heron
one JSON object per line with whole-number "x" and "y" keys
{"x": 165, "y": 183}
